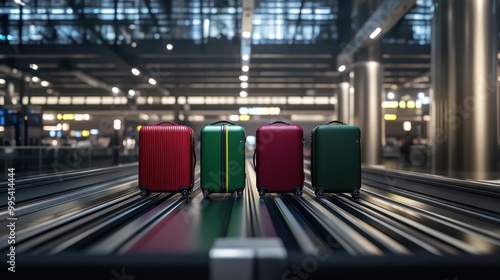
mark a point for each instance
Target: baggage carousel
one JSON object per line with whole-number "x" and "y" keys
{"x": 94, "y": 224}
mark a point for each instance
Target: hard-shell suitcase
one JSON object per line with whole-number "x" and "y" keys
{"x": 279, "y": 158}
{"x": 222, "y": 158}
{"x": 166, "y": 158}
{"x": 336, "y": 158}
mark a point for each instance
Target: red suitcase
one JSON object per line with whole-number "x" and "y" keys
{"x": 166, "y": 158}
{"x": 279, "y": 158}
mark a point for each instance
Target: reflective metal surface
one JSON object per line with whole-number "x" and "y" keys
{"x": 464, "y": 111}
{"x": 399, "y": 214}
{"x": 343, "y": 104}
{"x": 367, "y": 84}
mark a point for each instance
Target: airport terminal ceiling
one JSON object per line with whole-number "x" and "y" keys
{"x": 152, "y": 60}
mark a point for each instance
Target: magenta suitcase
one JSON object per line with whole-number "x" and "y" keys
{"x": 166, "y": 158}
{"x": 279, "y": 158}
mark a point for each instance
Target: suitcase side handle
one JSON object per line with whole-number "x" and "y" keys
{"x": 219, "y": 122}
{"x": 166, "y": 122}
{"x": 339, "y": 122}
{"x": 254, "y": 155}
{"x": 281, "y": 122}
{"x": 194, "y": 157}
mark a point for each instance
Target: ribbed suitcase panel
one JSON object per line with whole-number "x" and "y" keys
{"x": 280, "y": 157}
{"x": 165, "y": 157}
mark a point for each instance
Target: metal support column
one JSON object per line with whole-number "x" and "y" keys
{"x": 464, "y": 96}
{"x": 366, "y": 88}
{"x": 367, "y": 85}
{"x": 343, "y": 104}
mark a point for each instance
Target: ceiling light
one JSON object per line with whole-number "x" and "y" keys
{"x": 48, "y": 117}
{"x": 418, "y": 104}
{"x": 2, "y": 81}
{"x": 421, "y": 95}
{"x": 407, "y": 126}
{"x": 134, "y": 44}
{"x": 243, "y": 78}
{"x": 35, "y": 79}
{"x": 115, "y": 90}
{"x": 245, "y": 57}
{"x": 245, "y": 68}
{"x": 152, "y": 81}
{"x": 117, "y": 124}
{"x": 45, "y": 84}
{"x": 131, "y": 92}
{"x": 342, "y": 68}
{"x": 390, "y": 95}
{"x": 169, "y": 47}
{"x": 135, "y": 71}
{"x": 34, "y": 66}
{"x": 243, "y": 93}
{"x": 246, "y": 34}
{"x": 20, "y": 2}
{"x": 375, "y": 33}
{"x": 390, "y": 104}
{"x": 244, "y": 85}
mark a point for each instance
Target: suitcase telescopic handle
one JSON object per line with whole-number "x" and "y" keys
{"x": 281, "y": 122}
{"x": 219, "y": 122}
{"x": 339, "y": 122}
{"x": 166, "y": 122}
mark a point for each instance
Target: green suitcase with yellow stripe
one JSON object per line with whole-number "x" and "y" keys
{"x": 222, "y": 158}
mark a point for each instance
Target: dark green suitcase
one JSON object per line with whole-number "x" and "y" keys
{"x": 222, "y": 158}
{"x": 336, "y": 158}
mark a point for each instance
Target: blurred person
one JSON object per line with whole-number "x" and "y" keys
{"x": 405, "y": 147}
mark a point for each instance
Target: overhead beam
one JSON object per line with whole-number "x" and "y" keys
{"x": 385, "y": 17}
{"x": 153, "y": 16}
{"x": 170, "y": 107}
{"x": 417, "y": 81}
{"x": 91, "y": 80}
{"x": 265, "y": 91}
{"x": 297, "y": 23}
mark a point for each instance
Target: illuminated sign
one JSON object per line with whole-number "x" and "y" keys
{"x": 259, "y": 110}
{"x": 390, "y": 117}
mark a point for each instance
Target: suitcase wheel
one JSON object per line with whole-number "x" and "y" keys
{"x": 206, "y": 193}
{"x": 144, "y": 193}
{"x": 239, "y": 193}
{"x": 298, "y": 192}
{"x": 355, "y": 194}
{"x": 184, "y": 193}
{"x": 320, "y": 193}
{"x": 262, "y": 193}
